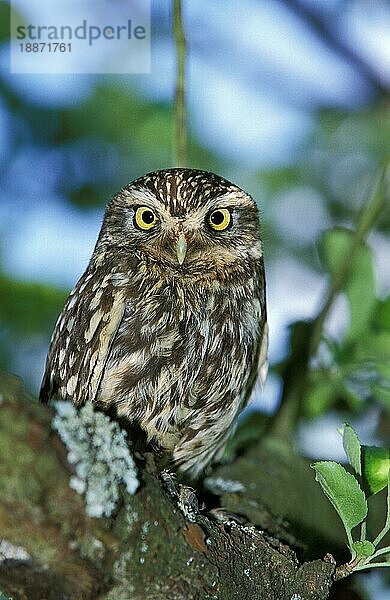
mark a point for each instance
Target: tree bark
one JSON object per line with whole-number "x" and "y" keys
{"x": 159, "y": 544}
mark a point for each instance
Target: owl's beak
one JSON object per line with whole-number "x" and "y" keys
{"x": 181, "y": 248}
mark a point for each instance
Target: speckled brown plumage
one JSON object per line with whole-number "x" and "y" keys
{"x": 168, "y": 322}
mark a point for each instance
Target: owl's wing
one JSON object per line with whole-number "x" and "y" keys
{"x": 260, "y": 364}
{"x": 82, "y": 339}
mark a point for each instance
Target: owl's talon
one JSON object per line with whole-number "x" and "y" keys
{"x": 170, "y": 482}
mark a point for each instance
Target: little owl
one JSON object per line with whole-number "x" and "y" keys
{"x": 167, "y": 326}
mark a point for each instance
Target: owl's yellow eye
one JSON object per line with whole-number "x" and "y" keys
{"x": 145, "y": 218}
{"x": 220, "y": 219}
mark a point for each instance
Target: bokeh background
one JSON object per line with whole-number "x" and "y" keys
{"x": 288, "y": 99}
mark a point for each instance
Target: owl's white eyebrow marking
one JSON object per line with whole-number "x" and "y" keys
{"x": 141, "y": 195}
{"x": 239, "y": 198}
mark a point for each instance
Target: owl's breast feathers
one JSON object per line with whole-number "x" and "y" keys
{"x": 165, "y": 355}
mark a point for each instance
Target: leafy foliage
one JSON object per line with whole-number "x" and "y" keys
{"x": 360, "y": 287}
{"x": 355, "y": 368}
{"x": 345, "y": 493}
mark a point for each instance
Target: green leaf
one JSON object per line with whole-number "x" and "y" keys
{"x": 360, "y": 286}
{"x": 374, "y": 346}
{"x": 382, "y": 314}
{"x": 351, "y": 444}
{"x": 364, "y": 548}
{"x": 376, "y": 465}
{"x": 344, "y": 492}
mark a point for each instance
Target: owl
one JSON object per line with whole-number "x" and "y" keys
{"x": 167, "y": 326}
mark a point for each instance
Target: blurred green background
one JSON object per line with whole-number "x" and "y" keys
{"x": 288, "y": 99}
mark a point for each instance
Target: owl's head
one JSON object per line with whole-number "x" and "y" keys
{"x": 184, "y": 222}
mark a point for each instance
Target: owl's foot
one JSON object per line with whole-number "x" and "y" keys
{"x": 170, "y": 482}
{"x": 184, "y": 496}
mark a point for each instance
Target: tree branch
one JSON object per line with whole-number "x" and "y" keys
{"x": 158, "y": 545}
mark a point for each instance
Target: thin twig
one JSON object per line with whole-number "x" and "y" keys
{"x": 180, "y": 135}
{"x": 380, "y": 553}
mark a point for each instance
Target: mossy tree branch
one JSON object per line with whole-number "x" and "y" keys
{"x": 158, "y": 544}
